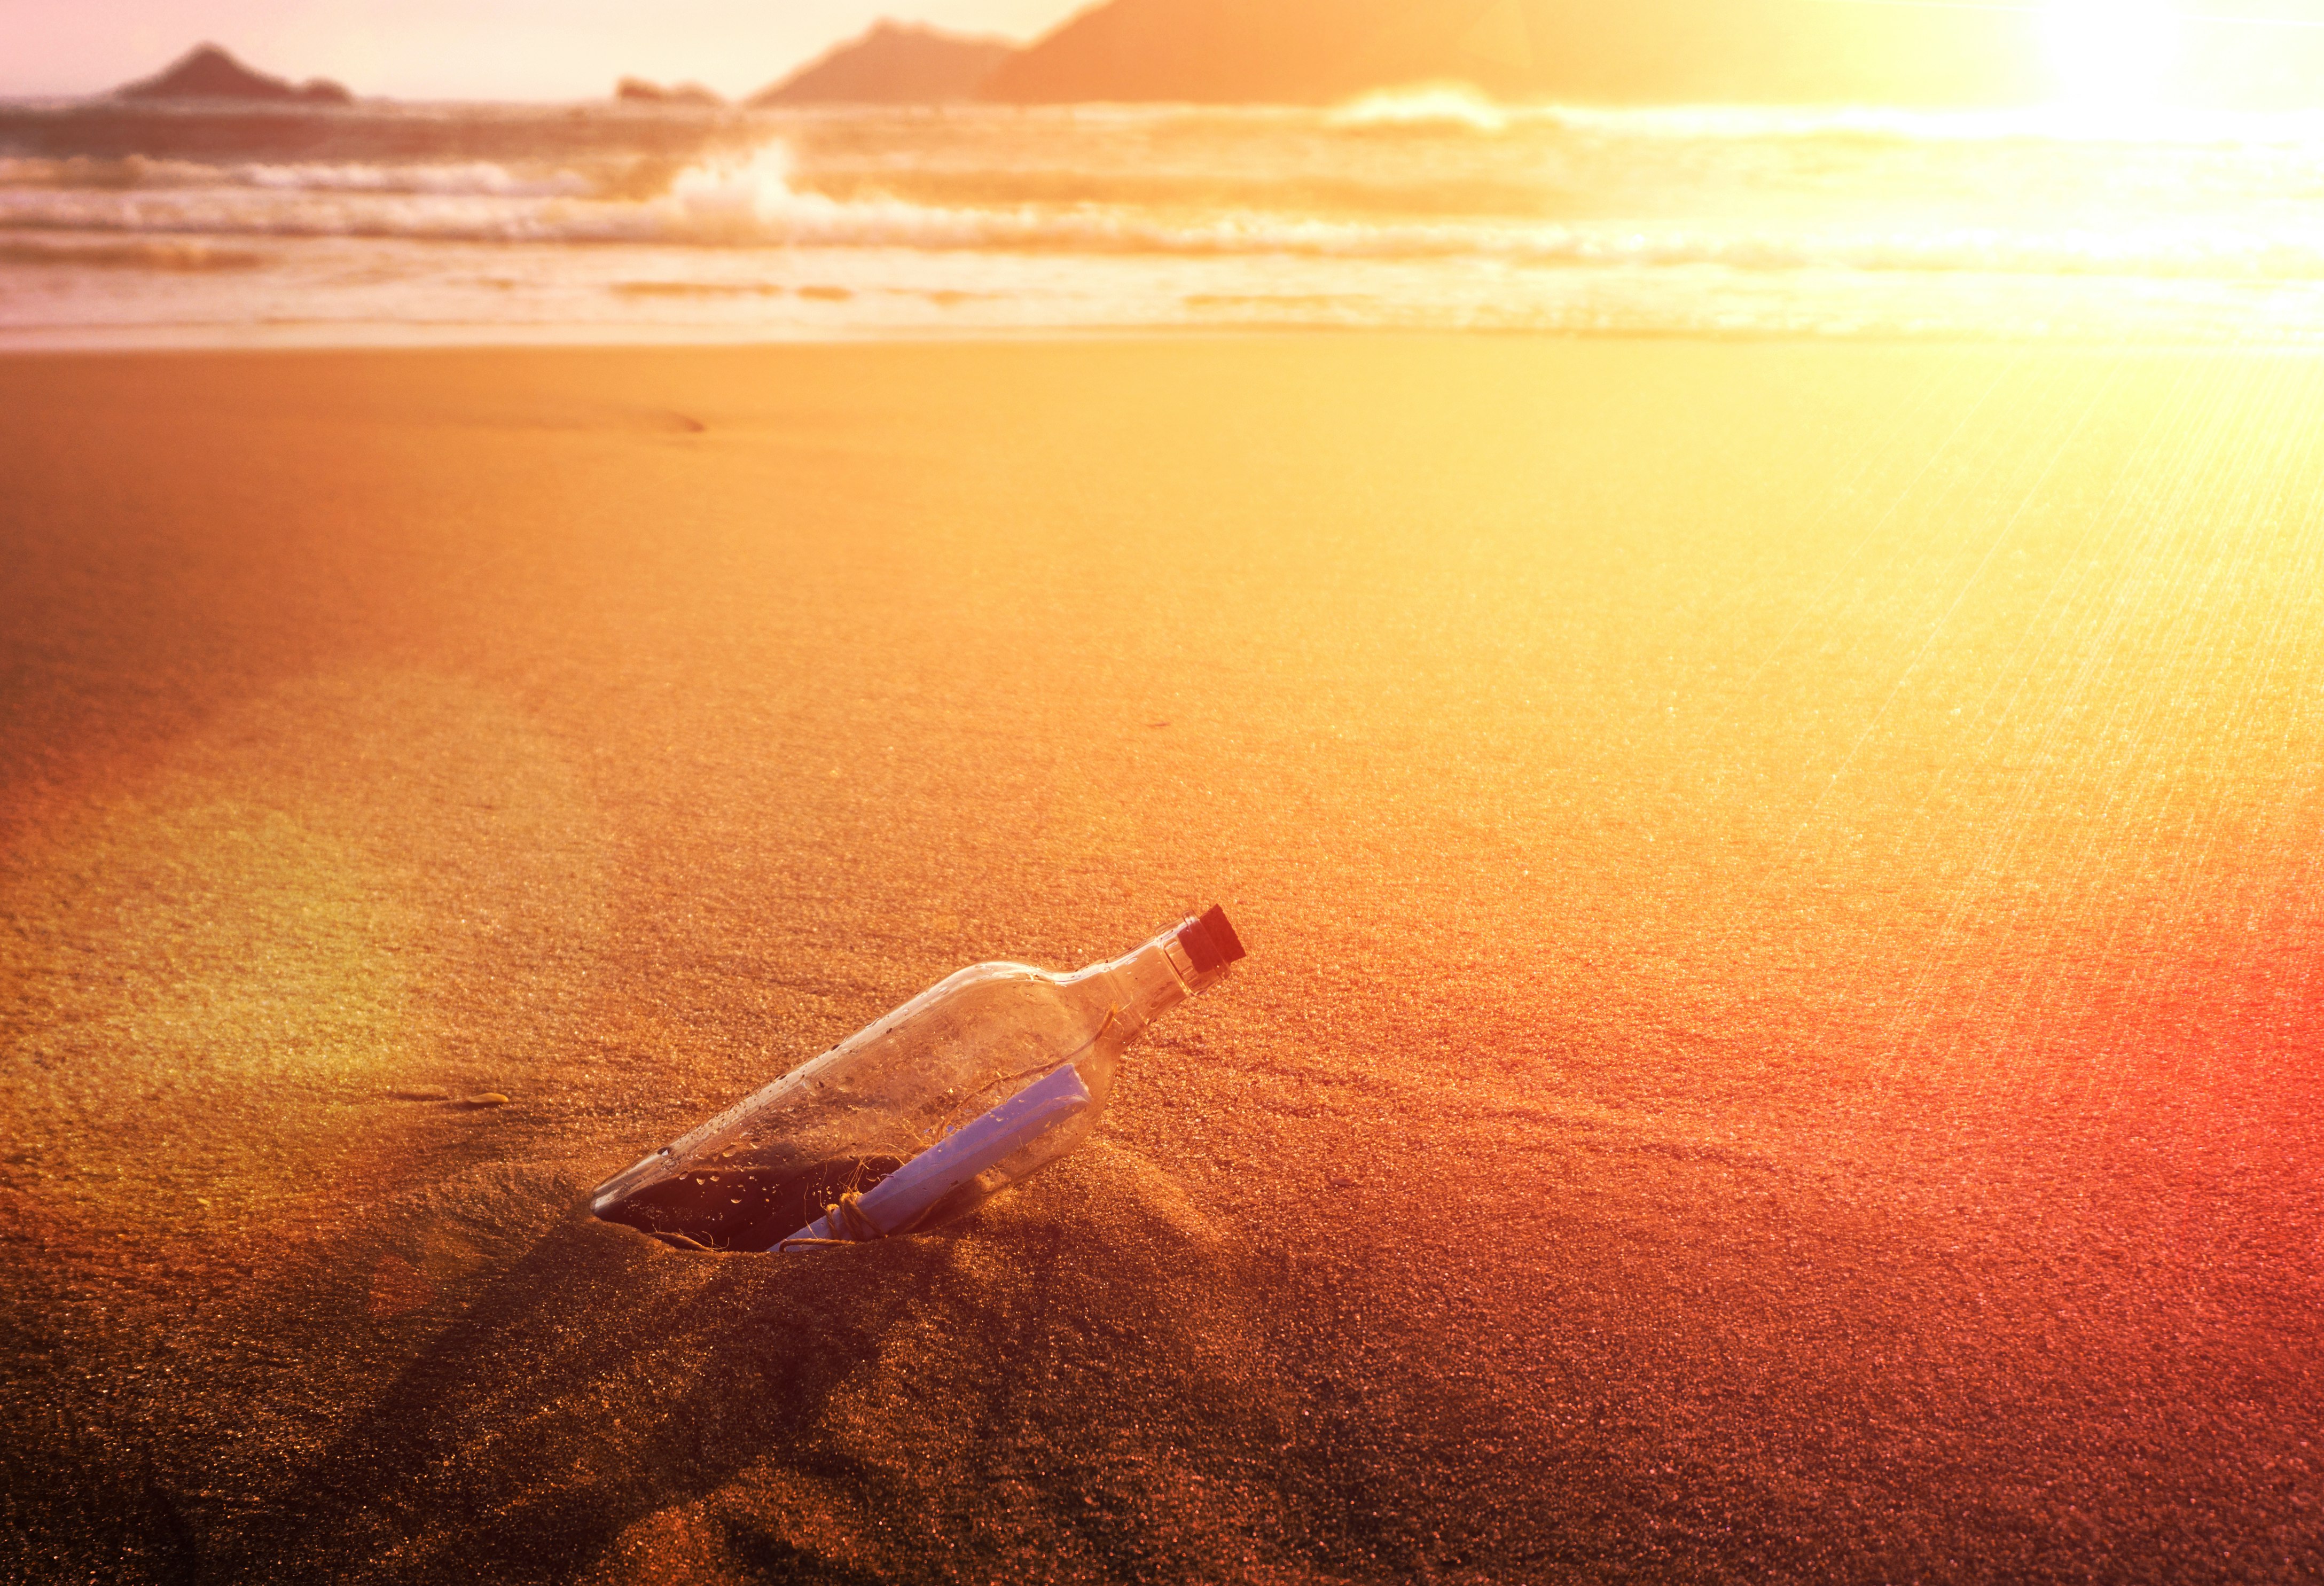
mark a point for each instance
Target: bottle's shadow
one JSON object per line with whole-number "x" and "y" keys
{"x": 600, "y": 1378}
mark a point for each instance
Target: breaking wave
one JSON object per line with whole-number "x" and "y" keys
{"x": 750, "y": 199}
{"x": 1429, "y": 107}
{"x": 1428, "y": 206}
{"x": 169, "y": 253}
{"x": 138, "y": 172}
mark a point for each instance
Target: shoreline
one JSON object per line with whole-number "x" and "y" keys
{"x": 598, "y": 338}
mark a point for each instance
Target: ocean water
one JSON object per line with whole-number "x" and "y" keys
{"x": 1425, "y": 210}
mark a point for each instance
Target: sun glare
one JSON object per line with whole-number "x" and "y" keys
{"x": 2111, "y": 56}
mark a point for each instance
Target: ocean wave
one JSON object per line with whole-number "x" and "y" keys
{"x": 175, "y": 254}
{"x": 477, "y": 178}
{"x": 105, "y": 173}
{"x": 1457, "y": 107}
{"x": 752, "y": 200}
{"x": 697, "y": 289}
{"x": 1424, "y": 106}
{"x": 473, "y": 178}
{"x": 1460, "y": 107}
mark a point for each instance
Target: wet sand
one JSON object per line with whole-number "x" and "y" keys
{"x": 1781, "y": 1043}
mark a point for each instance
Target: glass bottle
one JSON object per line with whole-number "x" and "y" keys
{"x": 976, "y": 1084}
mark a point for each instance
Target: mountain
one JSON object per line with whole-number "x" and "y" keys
{"x": 1217, "y": 51}
{"x": 894, "y": 64}
{"x": 208, "y": 72}
{"x": 1602, "y": 52}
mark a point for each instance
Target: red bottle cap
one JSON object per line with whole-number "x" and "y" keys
{"x": 1210, "y": 942}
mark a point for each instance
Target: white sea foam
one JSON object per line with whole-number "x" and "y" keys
{"x": 1424, "y": 206}
{"x": 1434, "y": 106}
{"x": 752, "y": 199}
{"x": 471, "y": 178}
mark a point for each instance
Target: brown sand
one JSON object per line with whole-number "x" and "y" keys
{"x": 1781, "y": 1039}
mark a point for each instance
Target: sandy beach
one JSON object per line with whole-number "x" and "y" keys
{"x": 1781, "y": 1040}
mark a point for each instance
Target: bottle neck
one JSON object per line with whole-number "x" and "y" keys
{"x": 1149, "y": 980}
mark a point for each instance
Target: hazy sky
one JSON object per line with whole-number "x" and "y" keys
{"x": 467, "y": 49}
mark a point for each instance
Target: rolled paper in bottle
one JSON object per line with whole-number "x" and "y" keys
{"x": 903, "y": 1197}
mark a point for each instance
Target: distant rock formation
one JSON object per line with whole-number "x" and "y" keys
{"x": 1213, "y": 51}
{"x": 637, "y": 90}
{"x": 208, "y": 72}
{"x": 1639, "y": 51}
{"x": 894, "y": 64}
